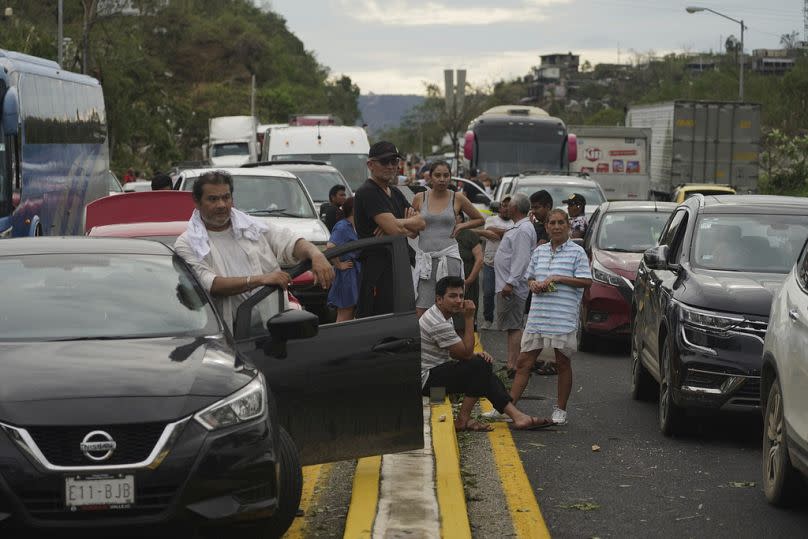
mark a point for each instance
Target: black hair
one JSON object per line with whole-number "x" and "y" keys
{"x": 450, "y": 281}
{"x": 334, "y": 190}
{"x": 161, "y": 181}
{"x": 347, "y": 207}
{"x": 437, "y": 164}
{"x": 542, "y": 197}
{"x": 216, "y": 177}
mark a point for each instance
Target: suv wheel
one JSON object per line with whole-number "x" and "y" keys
{"x": 780, "y": 480}
{"x": 671, "y": 416}
{"x": 642, "y": 385}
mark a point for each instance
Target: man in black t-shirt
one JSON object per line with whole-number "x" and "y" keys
{"x": 381, "y": 209}
{"x": 541, "y": 202}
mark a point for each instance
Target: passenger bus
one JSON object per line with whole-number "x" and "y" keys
{"x": 54, "y": 155}
{"x": 510, "y": 139}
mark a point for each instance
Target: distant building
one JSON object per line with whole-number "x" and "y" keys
{"x": 550, "y": 78}
{"x": 774, "y": 61}
{"x": 701, "y": 64}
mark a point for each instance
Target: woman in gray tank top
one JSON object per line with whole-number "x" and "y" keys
{"x": 439, "y": 206}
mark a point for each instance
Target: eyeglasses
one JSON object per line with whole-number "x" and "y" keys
{"x": 387, "y": 161}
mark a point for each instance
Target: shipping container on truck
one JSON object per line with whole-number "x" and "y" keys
{"x": 712, "y": 142}
{"x": 616, "y": 157}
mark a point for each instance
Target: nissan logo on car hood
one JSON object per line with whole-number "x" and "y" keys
{"x": 98, "y": 445}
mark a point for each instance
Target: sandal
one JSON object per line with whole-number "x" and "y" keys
{"x": 548, "y": 369}
{"x": 536, "y": 423}
{"x": 474, "y": 426}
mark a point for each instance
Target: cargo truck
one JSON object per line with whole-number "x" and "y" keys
{"x": 705, "y": 142}
{"x": 615, "y": 157}
{"x": 232, "y": 141}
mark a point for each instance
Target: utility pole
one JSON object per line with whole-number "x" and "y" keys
{"x": 455, "y": 101}
{"x": 60, "y": 34}
{"x": 252, "y": 96}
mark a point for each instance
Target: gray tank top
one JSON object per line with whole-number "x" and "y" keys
{"x": 436, "y": 235}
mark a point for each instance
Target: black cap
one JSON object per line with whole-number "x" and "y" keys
{"x": 383, "y": 149}
{"x": 575, "y": 198}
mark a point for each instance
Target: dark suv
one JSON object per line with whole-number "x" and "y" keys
{"x": 701, "y": 301}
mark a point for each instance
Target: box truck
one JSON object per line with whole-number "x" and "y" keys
{"x": 616, "y": 157}
{"x": 341, "y": 146}
{"x": 232, "y": 141}
{"x": 708, "y": 142}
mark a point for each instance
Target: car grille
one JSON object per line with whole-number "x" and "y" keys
{"x": 61, "y": 445}
{"x": 748, "y": 394}
{"x": 753, "y": 327}
{"x": 49, "y": 505}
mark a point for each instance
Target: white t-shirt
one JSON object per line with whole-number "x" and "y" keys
{"x": 495, "y": 221}
{"x": 437, "y": 336}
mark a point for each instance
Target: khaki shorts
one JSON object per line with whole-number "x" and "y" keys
{"x": 509, "y": 313}
{"x": 567, "y": 344}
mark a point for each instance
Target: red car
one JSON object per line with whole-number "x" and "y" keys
{"x": 155, "y": 215}
{"x": 618, "y": 235}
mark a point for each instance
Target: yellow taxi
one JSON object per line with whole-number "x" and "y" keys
{"x": 683, "y": 192}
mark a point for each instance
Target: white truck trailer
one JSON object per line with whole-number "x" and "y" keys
{"x": 232, "y": 141}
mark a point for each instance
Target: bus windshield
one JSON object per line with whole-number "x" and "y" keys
{"x": 510, "y": 147}
{"x": 353, "y": 166}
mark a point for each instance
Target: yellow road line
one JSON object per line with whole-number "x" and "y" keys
{"x": 525, "y": 513}
{"x": 451, "y": 498}
{"x": 312, "y": 476}
{"x": 364, "y": 498}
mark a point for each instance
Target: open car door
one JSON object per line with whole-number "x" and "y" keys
{"x": 343, "y": 390}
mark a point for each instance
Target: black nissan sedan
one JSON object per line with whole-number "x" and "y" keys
{"x": 702, "y": 297}
{"x": 125, "y": 400}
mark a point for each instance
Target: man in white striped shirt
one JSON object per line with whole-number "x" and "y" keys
{"x": 557, "y": 275}
{"x": 449, "y": 361}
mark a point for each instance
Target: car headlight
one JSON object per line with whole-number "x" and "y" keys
{"x": 247, "y": 403}
{"x": 708, "y": 320}
{"x": 604, "y": 275}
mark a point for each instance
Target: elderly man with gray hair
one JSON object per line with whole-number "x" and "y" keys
{"x": 510, "y": 263}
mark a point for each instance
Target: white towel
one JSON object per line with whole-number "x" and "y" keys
{"x": 243, "y": 226}
{"x": 424, "y": 261}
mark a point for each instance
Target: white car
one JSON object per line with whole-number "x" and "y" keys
{"x": 560, "y": 188}
{"x": 271, "y": 194}
{"x": 137, "y": 186}
{"x": 783, "y": 395}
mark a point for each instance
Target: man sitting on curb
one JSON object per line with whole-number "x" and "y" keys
{"x": 449, "y": 361}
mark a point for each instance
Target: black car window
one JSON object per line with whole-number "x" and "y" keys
{"x": 593, "y": 224}
{"x": 678, "y": 239}
{"x": 102, "y": 296}
{"x": 669, "y": 234}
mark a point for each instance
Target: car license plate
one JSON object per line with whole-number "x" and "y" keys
{"x": 99, "y": 492}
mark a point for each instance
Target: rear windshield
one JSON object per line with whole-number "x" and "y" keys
{"x": 94, "y": 296}
{"x": 560, "y": 192}
{"x": 318, "y": 183}
{"x": 352, "y": 166}
{"x": 630, "y": 232}
{"x": 267, "y": 195}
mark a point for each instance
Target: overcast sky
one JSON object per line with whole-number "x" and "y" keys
{"x": 395, "y": 46}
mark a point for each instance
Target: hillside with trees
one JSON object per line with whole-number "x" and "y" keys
{"x": 168, "y": 66}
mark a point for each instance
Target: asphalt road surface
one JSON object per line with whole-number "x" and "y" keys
{"x": 638, "y": 483}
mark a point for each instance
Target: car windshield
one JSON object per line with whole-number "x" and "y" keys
{"x": 267, "y": 195}
{"x": 562, "y": 192}
{"x": 230, "y": 148}
{"x": 630, "y": 232}
{"x": 319, "y": 182}
{"x": 353, "y": 166}
{"x": 102, "y": 296}
{"x": 750, "y": 243}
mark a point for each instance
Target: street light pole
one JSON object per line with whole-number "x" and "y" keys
{"x": 60, "y": 38}
{"x": 696, "y": 9}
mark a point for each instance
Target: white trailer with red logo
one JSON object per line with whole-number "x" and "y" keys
{"x": 618, "y": 158}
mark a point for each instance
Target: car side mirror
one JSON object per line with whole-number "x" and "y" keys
{"x": 656, "y": 258}
{"x": 479, "y": 198}
{"x": 290, "y": 325}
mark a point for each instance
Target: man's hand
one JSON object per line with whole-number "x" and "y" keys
{"x": 410, "y": 212}
{"x": 468, "y": 309}
{"x": 487, "y": 357}
{"x": 322, "y": 270}
{"x": 279, "y": 278}
{"x": 507, "y": 290}
{"x": 378, "y": 232}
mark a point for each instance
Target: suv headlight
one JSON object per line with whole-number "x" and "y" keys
{"x": 604, "y": 275}
{"x": 247, "y": 403}
{"x": 708, "y": 320}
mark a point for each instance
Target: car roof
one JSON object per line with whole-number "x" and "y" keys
{"x": 539, "y": 179}
{"x": 637, "y": 205}
{"x": 273, "y": 172}
{"x": 752, "y": 204}
{"x": 292, "y": 165}
{"x": 81, "y": 245}
{"x": 131, "y": 230}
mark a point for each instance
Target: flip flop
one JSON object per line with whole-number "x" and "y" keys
{"x": 475, "y": 426}
{"x": 536, "y": 424}
{"x": 548, "y": 369}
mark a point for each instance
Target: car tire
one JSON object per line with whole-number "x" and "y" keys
{"x": 781, "y": 481}
{"x": 291, "y": 488}
{"x": 671, "y": 416}
{"x": 642, "y": 385}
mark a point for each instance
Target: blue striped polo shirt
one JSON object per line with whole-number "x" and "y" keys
{"x": 556, "y": 313}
